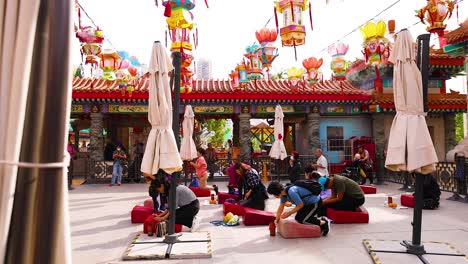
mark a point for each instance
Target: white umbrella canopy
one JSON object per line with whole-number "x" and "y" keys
{"x": 410, "y": 147}
{"x": 161, "y": 148}
{"x": 17, "y": 28}
{"x": 188, "y": 150}
{"x": 278, "y": 151}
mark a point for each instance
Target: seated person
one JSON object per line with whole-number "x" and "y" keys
{"x": 255, "y": 191}
{"x": 307, "y": 205}
{"x": 187, "y": 205}
{"x": 312, "y": 174}
{"x": 346, "y": 195}
{"x": 431, "y": 193}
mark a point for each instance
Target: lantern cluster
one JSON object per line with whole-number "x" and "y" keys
{"x": 91, "y": 39}
{"x": 338, "y": 65}
{"x": 180, "y": 24}
{"x": 312, "y": 66}
{"x": 376, "y": 48}
{"x": 254, "y": 63}
{"x": 435, "y": 13}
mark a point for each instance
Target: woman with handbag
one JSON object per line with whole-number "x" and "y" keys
{"x": 201, "y": 171}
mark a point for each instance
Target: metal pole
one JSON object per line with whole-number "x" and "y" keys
{"x": 422, "y": 60}
{"x": 176, "y": 62}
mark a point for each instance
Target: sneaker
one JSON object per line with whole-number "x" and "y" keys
{"x": 215, "y": 189}
{"x": 118, "y": 184}
{"x": 195, "y": 224}
{"x": 326, "y": 227}
{"x": 110, "y": 185}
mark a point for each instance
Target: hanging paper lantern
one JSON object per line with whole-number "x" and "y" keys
{"x": 132, "y": 80}
{"x": 338, "y": 65}
{"x": 293, "y": 31}
{"x": 254, "y": 64}
{"x": 312, "y": 66}
{"x": 234, "y": 75}
{"x": 268, "y": 51}
{"x": 110, "y": 62}
{"x": 435, "y": 13}
{"x": 186, "y": 80}
{"x": 375, "y": 43}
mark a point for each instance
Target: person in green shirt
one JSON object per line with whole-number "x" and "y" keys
{"x": 346, "y": 195}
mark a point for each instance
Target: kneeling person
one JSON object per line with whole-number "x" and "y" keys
{"x": 307, "y": 205}
{"x": 346, "y": 194}
{"x": 187, "y": 205}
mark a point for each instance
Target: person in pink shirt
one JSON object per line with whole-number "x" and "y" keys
{"x": 201, "y": 171}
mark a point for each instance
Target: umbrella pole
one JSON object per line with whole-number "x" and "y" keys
{"x": 176, "y": 62}
{"x": 416, "y": 247}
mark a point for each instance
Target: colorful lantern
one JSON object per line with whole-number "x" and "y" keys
{"x": 434, "y": 13}
{"x": 180, "y": 25}
{"x": 375, "y": 43}
{"x": 294, "y": 76}
{"x": 338, "y": 65}
{"x": 293, "y": 32}
{"x": 132, "y": 80}
{"x": 269, "y": 52}
{"x": 110, "y": 62}
{"x": 234, "y": 75}
{"x": 312, "y": 66}
{"x": 254, "y": 65}
{"x": 241, "y": 69}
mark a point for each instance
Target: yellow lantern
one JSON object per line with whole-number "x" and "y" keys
{"x": 375, "y": 48}
{"x": 294, "y": 76}
{"x": 110, "y": 62}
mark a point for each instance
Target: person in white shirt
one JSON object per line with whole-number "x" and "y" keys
{"x": 322, "y": 164}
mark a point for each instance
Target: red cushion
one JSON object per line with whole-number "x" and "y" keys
{"x": 407, "y": 200}
{"x": 293, "y": 229}
{"x": 368, "y": 189}
{"x": 222, "y": 196}
{"x": 233, "y": 208}
{"x": 257, "y": 217}
{"x": 148, "y": 203}
{"x": 140, "y": 213}
{"x": 149, "y": 221}
{"x": 199, "y": 192}
{"x": 345, "y": 217}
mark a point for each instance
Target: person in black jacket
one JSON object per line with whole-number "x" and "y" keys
{"x": 294, "y": 167}
{"x": 156, "y": 179}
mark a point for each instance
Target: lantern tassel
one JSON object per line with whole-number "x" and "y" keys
{"x": 156, "y": 2}
{"x": 167, "y": 10}
{"x": 166, "y": 38}
{"x": 196, "y": 43}
{"x": 79, "y": 15}
{"x": 206, "y": 3}
{"x": 458, "y": 22}
{"x": 310, "y": 16}
{"x": 276, "y": 21}
{"x": 295, "y": 51}
{"x": 292, "y": 11}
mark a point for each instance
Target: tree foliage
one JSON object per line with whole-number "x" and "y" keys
{"x": 459, "y": 127}
{"x": 219, "y": 129}
{"x": 79, "y": 71}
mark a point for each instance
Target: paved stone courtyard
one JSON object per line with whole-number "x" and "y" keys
{"x": 101, "y": 229}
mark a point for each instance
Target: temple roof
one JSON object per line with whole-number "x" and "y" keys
{"x": 223, "y": 91}
{"x": 436, "y": 102}
{"x": 458, "y": 35}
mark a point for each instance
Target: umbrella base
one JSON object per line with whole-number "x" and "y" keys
{"x": 393, "y": 251}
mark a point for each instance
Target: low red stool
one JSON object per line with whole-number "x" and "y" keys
{"x": 140, "y": 213}
{"x": 233, "y": 208}
{"x": 257, "y": 217}
{"x": 407, "y": 200}
{"x": 293, "y": 229}
{"x": 199, "y": 192}
{"x": 149, "y": 221}
{"x": 222, "y": 196}
{"x": 148, "y": 203}
{"x": 347, "y": 217}
{"x": 368, "y": 189}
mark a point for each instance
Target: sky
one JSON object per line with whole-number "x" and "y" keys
{"x": 226, "y": 28}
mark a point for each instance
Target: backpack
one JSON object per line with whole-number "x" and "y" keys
{"x": 313, "y": 187}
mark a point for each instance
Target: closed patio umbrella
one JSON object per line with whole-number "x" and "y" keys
{"x": 188, "y": 150}
{"x": 161, "y": 149}
{"x": 410, "y": 147}
{"x": 278, "y": 150}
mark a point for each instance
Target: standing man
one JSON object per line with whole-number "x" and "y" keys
{"x": 322, "y": 164}
{"x": 119, "y": 157}
{"x": 211, "y": 159}
{"x": 71, "y": 150}
{"x": 366, "y": 164}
